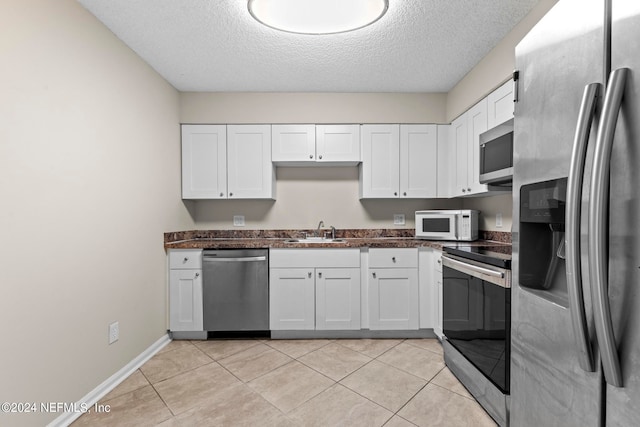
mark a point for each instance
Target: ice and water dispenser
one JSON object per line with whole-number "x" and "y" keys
{"x": 542, "y": 220}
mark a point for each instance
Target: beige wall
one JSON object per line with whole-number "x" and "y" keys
{"x": 215, "y": 107}
{"x": 307, "y": 195}
{"x": 90, "y": 180}
{"x": 495, "y": 68}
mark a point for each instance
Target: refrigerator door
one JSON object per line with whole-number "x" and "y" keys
{"x": 624, "y": 224}
{"x": 556, "y": 60}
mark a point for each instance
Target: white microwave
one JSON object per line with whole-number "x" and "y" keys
{"x": 461, "y": 225}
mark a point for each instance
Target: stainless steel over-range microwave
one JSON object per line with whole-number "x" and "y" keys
{"x": 461, "y": 225}
{"x": 496, "y": 155}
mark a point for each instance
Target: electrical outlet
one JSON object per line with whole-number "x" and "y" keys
{"x": 398, "y": 219}
{"x": 498, "y": 220}
{"x": 238, "y": 220}
{"x": 114, "y": 332}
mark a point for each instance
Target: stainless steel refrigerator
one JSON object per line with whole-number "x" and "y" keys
{"x": 575, "y": 327}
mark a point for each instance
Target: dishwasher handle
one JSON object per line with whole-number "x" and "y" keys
{"x": 209, "y": 258}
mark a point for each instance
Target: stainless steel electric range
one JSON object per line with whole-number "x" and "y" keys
{"x": 477, "y": 322}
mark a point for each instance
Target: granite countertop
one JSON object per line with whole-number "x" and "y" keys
{"x": 352, "y": 238}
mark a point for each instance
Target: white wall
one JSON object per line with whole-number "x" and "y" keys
{"x": 89, "y": 181}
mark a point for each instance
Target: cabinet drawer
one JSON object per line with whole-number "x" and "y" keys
{"x": 393, "y": 258}
{"x": 185, "y": 258}
{"x": 314, "y": 258}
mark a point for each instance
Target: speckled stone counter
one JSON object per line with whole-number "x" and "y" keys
{"x": 351, "y": 238}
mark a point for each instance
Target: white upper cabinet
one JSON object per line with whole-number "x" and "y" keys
{"x": 418, "y": 161}
{"x": 445, "y": 160}
{"x": 308, "y": 145}
{"x": 222, "y": 162}
{"x": 251, "y": 174}
{"x": 500, "y": 105}
{"x": 293, "y": 143}
{"x": 204, "y": 161}
{"x": 380, "y": 168}
{"x": 399, "y": 161}
{"x": 338, "y": 143}
{"x": 465, "y": 140}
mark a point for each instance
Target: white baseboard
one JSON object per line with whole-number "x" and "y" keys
{"x": 112, "y": 382}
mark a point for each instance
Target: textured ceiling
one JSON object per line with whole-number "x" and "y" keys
{"x": 216, "y": 46}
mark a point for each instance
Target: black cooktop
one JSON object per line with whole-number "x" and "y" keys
{"x": 498, "y": 255}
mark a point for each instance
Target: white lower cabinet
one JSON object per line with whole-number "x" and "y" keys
{"x": 185, "y": 290}
{"x": 393, "y": 289}
{"x": 314, "y": 289}
{"x": 291, "y": 299}
{"x": 338, "y": 298}
{"x": 437, "y": 307}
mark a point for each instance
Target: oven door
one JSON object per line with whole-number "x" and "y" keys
{"x": 477, "y": 315}
{"x": 437, "y": 226}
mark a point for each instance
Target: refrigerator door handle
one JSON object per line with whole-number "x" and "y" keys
{"x": 573, "y": 214}
{"x": 598, "y": 230}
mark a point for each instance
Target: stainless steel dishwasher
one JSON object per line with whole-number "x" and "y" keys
{"x": 236, "y": 290}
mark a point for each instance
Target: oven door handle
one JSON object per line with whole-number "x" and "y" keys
{"x": 470, "y": 268}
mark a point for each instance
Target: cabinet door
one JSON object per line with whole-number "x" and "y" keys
{"x": 380, "y": 168}
{"x": 477, "y": 125}
{"x": 393, "y": 298}
{"x": 446, "y": 162}
{"x": 426, "y": 287}
{"x": 291, "y": 298}
{"x": 338, "y": 298}
{"x": 250, "y": 171}
{"x": 185, "y": 300}
{"x": 293, "y": 143}
{"x": 437, "y": 278}
{"x": 500, "y": 105}
{"x": 338, "y": 143}
{"x": 460, "y": 143}
{"x": 204, "y": 162}
{"x": 418, "y": 161}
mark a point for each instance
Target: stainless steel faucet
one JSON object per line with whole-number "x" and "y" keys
{"x": 320, "y": 225}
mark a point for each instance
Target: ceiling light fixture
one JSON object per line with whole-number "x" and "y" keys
{"x": 317, "y": 16}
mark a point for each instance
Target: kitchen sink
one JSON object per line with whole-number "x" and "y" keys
{"x": 316, "y": 240}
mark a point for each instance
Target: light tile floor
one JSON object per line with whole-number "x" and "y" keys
{"x": 292, "y": 383}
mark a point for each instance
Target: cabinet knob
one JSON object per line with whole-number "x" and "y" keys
{"x": 311, "y": 156}
{"x": 320, "y": 157}
{"x": 393, "y": 259}
{"x": 374, "y": 275}
{"x": 320, "y": 274}
{"x": 309, "y": 275}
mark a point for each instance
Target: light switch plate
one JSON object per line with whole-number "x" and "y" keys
{"x": 498, "y": 220}
{"x": 398, "y": 219}
{"x": 238, "y": 220}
